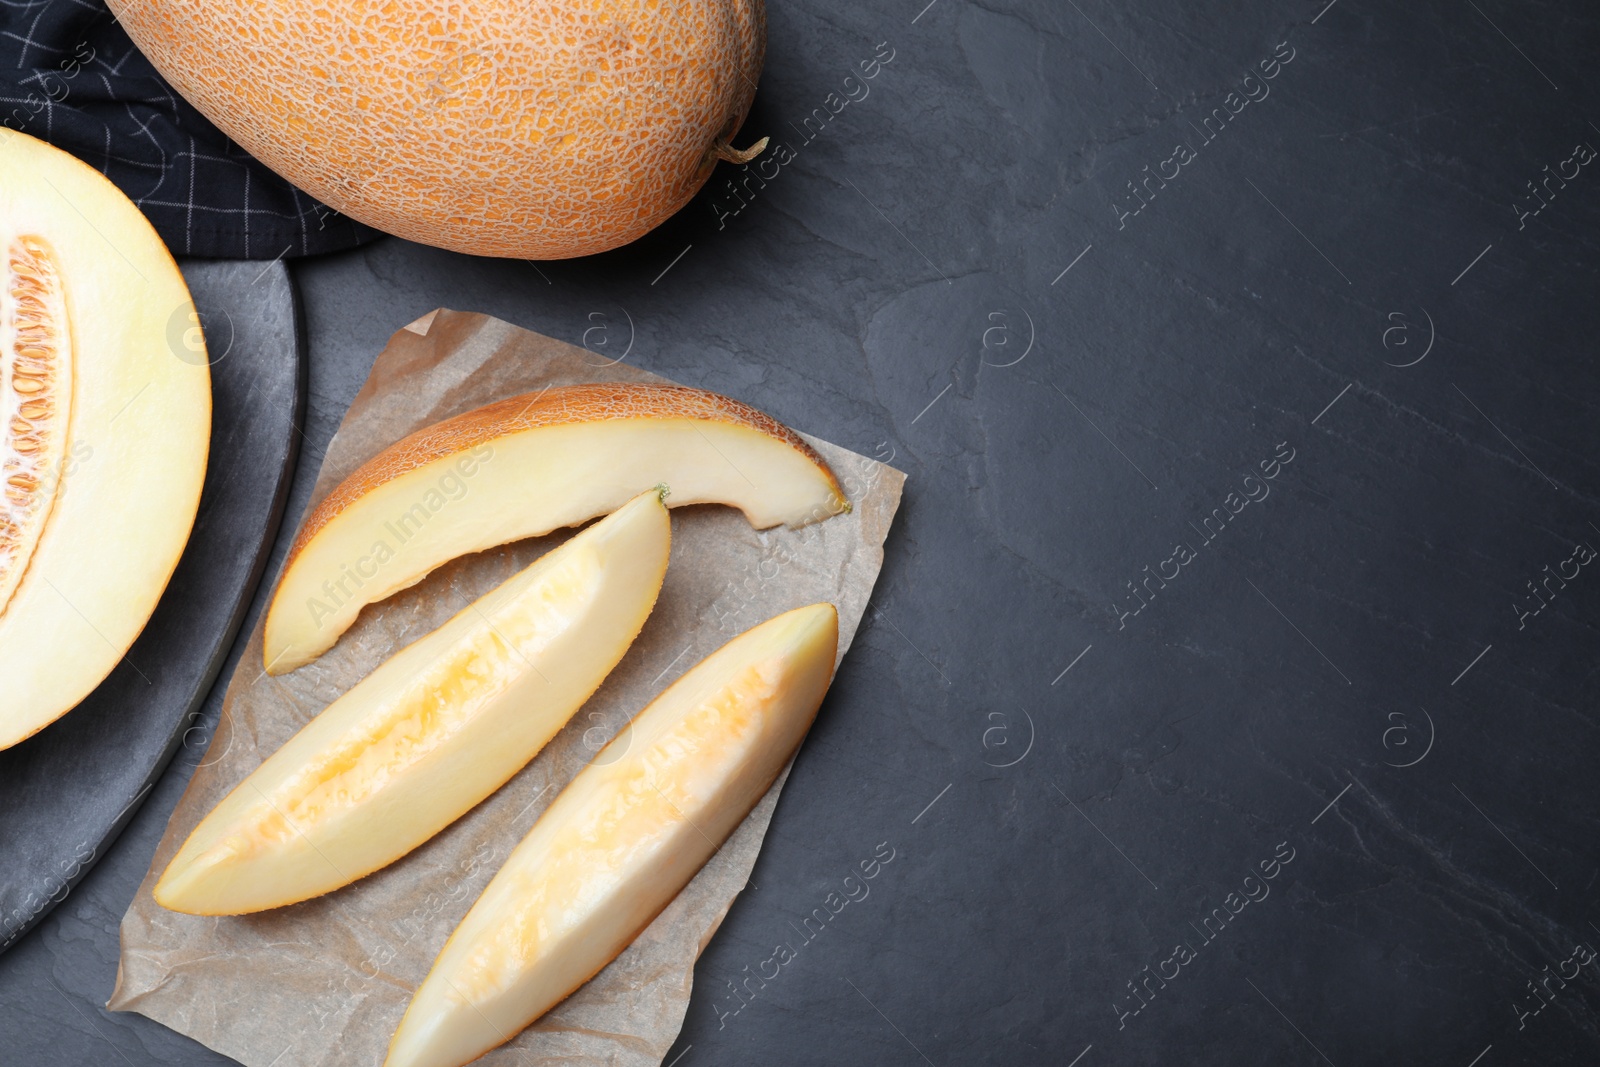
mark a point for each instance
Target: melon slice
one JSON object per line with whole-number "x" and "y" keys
{"x": 431, "y": 732}
{"x": 105, "y": 423}
{"x": 521, "y": 468}
{"x": 620, "y": 842}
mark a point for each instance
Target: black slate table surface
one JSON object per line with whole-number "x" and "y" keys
{"x": 1228, "y": 695}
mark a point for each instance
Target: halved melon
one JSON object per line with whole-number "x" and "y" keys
{"x": 104, "y": 429}
{"x": 620, "y": 842}
{"x": 431, "y": 732}
{"x": 521, "y": 468}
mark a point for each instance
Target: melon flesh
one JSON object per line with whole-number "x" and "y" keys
{"x": 431, "y": 732}
{"x": 105, "y": 424}
{"x": 621, "y": 841}
{"x": 521, "y": 468}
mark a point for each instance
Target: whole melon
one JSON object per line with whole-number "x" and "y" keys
{"x": 537, "y": 129}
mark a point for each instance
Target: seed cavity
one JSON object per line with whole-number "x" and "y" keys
{"x": 36, "y": 384}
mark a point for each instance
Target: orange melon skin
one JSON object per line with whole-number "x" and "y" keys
{"x": 537, "y": 130}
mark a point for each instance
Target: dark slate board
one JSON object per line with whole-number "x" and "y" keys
{"x": 1027, "y": 806}
{"x": 68, "y": 791}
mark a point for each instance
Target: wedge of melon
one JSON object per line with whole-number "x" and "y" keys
{"x": 433, "y": 731}
{"x": 620, "y": 842}
{"x": 523, "y": 467}
{"x": 105, "y": 423}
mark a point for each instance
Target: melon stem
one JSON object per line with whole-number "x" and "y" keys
{"x": 728, "y": 154}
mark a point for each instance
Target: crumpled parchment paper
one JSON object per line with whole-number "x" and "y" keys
{"x": 325, "y": 982}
